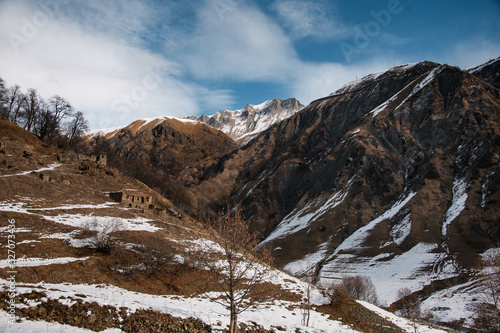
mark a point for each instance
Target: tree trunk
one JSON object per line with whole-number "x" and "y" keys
{"x": 233, "y": 326}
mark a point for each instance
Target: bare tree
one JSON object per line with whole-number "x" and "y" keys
{"x": 15, "y": 101}
{"x": 3, "y": 98}
{"x": 50, "y": 115}
{"x": 361, "y": 287}
{"x": 409, "y": 305}
{"x": 60, "y": 109}
{"x": 241, "y": 267}
{"x": 307, "y": 303}
{"x": 103, "y": 241}
{"x": 77, "y": 126}
{"x": 43, "y": 126}
{"x": 31, "y": 108}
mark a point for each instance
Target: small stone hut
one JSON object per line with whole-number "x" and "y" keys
{"x": 133, "y": 199}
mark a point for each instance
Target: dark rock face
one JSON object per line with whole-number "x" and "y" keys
{"x": 488, "y": 72}
{"x": 410, "y": 155}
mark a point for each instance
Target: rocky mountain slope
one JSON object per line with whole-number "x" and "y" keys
{"x": 57, "y": 203}
{"x": 171, "y": 143}
{"x": 488, "y": 72}
{"x": 394, "y": 176}
{"x": 244, "y": 124}
{"x": 158, "y": 151}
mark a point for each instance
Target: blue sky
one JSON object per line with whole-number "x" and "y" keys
{"x": 120, "y": 60}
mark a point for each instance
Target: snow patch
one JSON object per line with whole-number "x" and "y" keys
{"x": 80, "y": 221}
{"x": 300, "y": 219}
{"x": 458, "y": 204}
{"x": 356, "y": 239}
{"x": 24, "y": 173}
{"x": 402, "y": 230}
{"x": 31, "y": 262}
{"x": 307, "y": 263}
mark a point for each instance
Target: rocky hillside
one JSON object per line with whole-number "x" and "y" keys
{"x": 394, "y": 176}
{"x": 160, "y": 151}
{"x": 244, "y": 124}
{"x": 171, "y": 143}
{"x": 57, "y": 207}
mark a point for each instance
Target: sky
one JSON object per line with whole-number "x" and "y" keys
{"x": 121, "y": 60}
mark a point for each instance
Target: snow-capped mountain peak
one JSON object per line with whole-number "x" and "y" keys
{"x": 243, "y": 124}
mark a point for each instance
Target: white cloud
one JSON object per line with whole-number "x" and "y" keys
{"x": 111, "y": 78}
{"x": 309, "y": 18}
{"x": 237, "y": 41}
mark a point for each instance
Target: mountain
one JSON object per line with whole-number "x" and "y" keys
{"x": 394, "y": 176}
{"x": 488, "y": 72}
{"x": 244, "y": 124}
{"x": 61, "y": 210}
{"x": 159, "y": 151}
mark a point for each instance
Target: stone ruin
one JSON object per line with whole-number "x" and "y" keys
{"x": 133, "y": 199}
{"x": 138, "y": 200}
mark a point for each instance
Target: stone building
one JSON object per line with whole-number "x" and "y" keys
{"x": 133, "y": 199}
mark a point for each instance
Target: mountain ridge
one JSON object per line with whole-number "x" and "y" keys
{"x": 244, "y": 124}
{"x": 241, "y": 125}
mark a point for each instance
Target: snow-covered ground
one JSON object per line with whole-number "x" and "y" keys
{"x": 300, "y": 219}
{"x": 357, "y": 238}
{"x": 459, "y": 303}
{"x": 273, "y": 313}
{"x": 30, "y": 262}
{"x": 407, "y": 270}
{"x": 455, "y": 303}
{"x": 81, "y": 220}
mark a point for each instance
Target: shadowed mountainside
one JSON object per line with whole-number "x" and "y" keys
{"x": 400, "y": 161}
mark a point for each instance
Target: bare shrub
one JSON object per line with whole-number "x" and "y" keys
{"x": 148, "y": 259}
{"x": 338, "y": 294}
{"x": 103, "y": 242}
{"x": 361, "y": 287}
{"x": 155, "y": 254}
{"x": 409, "y": 305}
